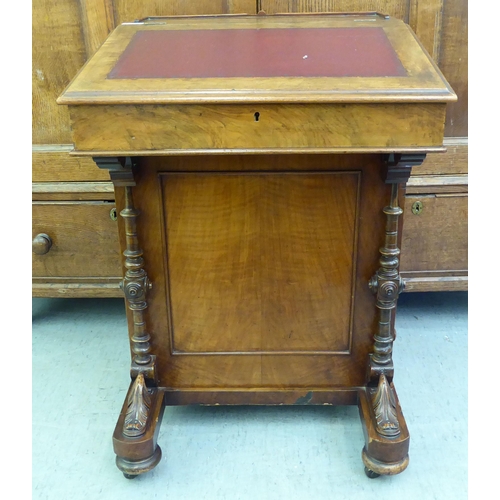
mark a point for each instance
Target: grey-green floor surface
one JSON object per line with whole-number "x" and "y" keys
{"x": 80, "y": 376}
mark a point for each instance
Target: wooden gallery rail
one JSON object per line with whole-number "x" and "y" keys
{"x": 259, "y": 163}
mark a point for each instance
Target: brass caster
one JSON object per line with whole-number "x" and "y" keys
{"x": 371, "y": 474}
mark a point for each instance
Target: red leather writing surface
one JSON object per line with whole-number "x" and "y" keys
{"x": 288, "y": 52}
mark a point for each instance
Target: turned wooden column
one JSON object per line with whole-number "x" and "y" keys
{"x": 387, "y": 283}
{"x": 136, "y": 283}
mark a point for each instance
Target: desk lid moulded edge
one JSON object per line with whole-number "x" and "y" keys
{"x": 424, "y": 83}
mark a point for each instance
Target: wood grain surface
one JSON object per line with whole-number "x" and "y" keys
{"x": 266, "y": 258}
{"x": 279, "y": 126}
{"x": 217, "y": 245}
{"x": 84, "y": 240}
{"x": 71, "y": 191}
{"x": 53, "y": 163}
{"x": 453, "y": 61}
{"x": 92, "y": 287}
{"x": 454, "y": 162}
{"x": 97, "y": 21}
{"x": 396, "y": 8}
{"x": 127, "y": 11}
{"x": 58, "y": 52}
{"x": 436, "y": 240}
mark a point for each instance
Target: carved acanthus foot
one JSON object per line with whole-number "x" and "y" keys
{"x": 384, "y": 407}
{"x": 387, "y": 453}
{"x": 136, "y": 432}
{"x": 139, "y": 405}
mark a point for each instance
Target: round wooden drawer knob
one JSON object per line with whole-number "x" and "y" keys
{"x": 41, "y": 244}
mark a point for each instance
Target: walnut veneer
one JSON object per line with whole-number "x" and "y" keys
{"x": 260, "y": 216}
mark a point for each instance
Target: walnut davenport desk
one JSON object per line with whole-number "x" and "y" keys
{"x": 259, "y": 164}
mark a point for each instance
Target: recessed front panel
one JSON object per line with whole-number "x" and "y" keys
{"x": 260, "y": 263}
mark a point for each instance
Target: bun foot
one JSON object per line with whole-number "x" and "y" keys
{"x": 132, "y": 468}
{"x": 375, "y": 468}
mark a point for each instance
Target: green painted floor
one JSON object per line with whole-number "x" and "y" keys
{"x": 80, "y": 363}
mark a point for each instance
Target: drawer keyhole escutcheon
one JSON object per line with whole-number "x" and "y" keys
{"x": 417, "y": 207}
{"x": 256, "y": 116}
{"x": 112, "y": 214}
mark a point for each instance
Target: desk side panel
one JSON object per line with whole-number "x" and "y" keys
{"x": 319, "y": 358}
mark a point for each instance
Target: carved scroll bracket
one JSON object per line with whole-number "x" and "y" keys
{"x": 399, "y": 166}
{"x": 120, "y": 169}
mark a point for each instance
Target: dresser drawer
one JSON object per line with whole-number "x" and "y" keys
{"x": 82, "y": 240}
{"x": 434, "y": 247}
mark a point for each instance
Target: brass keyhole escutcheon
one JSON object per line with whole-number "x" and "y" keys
{"x": 417, "y": 207}
{"x": 112, "y": 214}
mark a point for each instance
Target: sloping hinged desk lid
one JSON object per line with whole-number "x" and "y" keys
{"x": 245, "y": 59}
